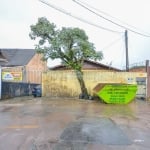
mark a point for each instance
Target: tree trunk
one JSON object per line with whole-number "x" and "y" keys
{"x": 84, "y": 92}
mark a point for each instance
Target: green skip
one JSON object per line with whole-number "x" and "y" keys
{"x": 117, "y": 93}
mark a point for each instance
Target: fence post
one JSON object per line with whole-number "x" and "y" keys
{"x": 0, "y": 82}
{"x": 148, "y": 80}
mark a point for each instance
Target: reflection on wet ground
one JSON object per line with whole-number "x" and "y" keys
{"x": 73, "y": 124}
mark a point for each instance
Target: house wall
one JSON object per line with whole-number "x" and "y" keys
{"x": 34, "y": 69}
{"x": 36, "y": 63}
{"x": 140, "y": 69}
{"x": 64, "y": 83}
{"x": 91, "y": 66}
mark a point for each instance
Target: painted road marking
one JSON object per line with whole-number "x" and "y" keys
{"x": 23, "y": 126}
{"x": 11, "y": 104}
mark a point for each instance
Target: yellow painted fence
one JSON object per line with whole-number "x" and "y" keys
{"x": 65, "y": 84}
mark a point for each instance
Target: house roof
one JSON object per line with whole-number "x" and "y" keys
{"x": 15, "y": 57}
{"x": 88, "y": 64}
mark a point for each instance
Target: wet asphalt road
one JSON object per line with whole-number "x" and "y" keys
{"x": 29, "y": 123}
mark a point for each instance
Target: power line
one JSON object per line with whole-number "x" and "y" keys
{"x": 106, "y": 14}
{"x": 112, "y": 43}
{"x": 76, "y": 17}
{"x": 82, "y": 5}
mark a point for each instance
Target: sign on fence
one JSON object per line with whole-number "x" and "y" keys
{"x": 12, "y": 76}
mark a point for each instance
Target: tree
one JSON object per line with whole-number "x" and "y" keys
{"x": 71, "y": 45}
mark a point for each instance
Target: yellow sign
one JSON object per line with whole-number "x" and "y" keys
{"x": 12, "y": 76}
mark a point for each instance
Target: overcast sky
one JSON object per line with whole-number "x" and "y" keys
{"x": 16, "y": 16}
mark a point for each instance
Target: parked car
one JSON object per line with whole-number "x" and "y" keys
{"x": 37, "y": 91}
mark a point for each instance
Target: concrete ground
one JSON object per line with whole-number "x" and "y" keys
{"x": 29, "y": 123}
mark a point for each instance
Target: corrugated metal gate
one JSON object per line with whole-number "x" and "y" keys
{"x": 141, "y": 92}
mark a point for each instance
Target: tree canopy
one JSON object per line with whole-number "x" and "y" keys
{"x": 71, "y": 45}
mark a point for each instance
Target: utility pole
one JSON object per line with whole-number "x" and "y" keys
{"x": 126, "y": 46}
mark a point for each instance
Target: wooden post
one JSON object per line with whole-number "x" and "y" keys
{"x": 0, "y": 82}
{"x": 148, "y": 80}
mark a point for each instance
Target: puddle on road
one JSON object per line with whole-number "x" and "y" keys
{"x": 123, "y": 111}
{"x": 6, "y": 109}
{"x": 80, "y": 108}
{"x": 57, "y": 114}
{"x": 95, "y": 130}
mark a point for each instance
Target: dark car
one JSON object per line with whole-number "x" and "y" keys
{"x": 37, "y": 91}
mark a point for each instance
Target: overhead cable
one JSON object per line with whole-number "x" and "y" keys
{"x": 112, "y": 43}
{"x": 106, "y": 14}
{"x": 82, "y": 5}
{"x": 76, "y": 17}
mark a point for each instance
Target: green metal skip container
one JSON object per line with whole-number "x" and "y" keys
{"x": 116, "y": 93}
